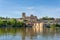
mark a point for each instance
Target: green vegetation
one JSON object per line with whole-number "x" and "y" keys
{"x": 47, "y": 18}
{"x": 57, "y": 25}
{"x": 54, "y": 25}
{"x": 10, "y": 22}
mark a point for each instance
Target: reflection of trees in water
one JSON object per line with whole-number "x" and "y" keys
{"x": 7, "y": 31}
{"x": 29, "y": 32}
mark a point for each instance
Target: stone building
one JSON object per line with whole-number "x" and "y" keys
{"x": 29, "y": 19}
{"x": 33, "y": 20}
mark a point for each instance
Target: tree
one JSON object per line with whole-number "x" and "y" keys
{"x": 47, "y": 18}
{"x": 53, "y": 25}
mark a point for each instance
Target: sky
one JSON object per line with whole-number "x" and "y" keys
{"x": 39, "y": 8}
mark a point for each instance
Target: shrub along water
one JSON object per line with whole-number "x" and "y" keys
{"x": 7, "y": 22}
{"x": 54, "y": 25}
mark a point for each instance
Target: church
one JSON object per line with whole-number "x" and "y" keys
{"x": 28, "y": 19}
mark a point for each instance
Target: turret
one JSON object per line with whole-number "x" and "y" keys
{"x": 23, "y": 15}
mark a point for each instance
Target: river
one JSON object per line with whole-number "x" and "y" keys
{"x": 29, "y": 34}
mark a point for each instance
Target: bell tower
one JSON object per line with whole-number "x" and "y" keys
{"x": 23, "y": 15}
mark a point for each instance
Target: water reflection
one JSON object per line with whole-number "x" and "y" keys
{"x": 29, "y": 34}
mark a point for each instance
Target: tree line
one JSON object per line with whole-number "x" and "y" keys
{"x": 47, "y": 18}
{"x": 10, "y": 22}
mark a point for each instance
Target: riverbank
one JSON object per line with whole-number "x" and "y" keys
{"x": 11, "y": 22}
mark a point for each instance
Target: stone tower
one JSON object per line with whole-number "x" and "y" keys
{"x": 23, "y": 15}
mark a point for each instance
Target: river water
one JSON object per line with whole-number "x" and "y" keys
{"x": 29, "y": 34}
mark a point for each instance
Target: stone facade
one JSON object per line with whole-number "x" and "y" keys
{"x": 29, "y": 19}
{"x": 33, "y": 19}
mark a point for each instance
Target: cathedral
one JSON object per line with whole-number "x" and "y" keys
{"x": 29, "y": 19}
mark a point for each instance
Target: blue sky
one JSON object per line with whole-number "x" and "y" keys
{"x": 39, "y": 8}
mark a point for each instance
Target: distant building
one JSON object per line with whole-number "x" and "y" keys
{"x": 23, "y": 15}
{"x": 33, "y": 19}
{"x": 29, "y": 19}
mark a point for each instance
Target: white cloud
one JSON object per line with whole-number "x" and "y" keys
{"x": 30, "y": 8}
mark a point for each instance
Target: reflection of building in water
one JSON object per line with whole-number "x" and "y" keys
{"x": 30, "y": 31}
{"x": 38, "y": 27}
